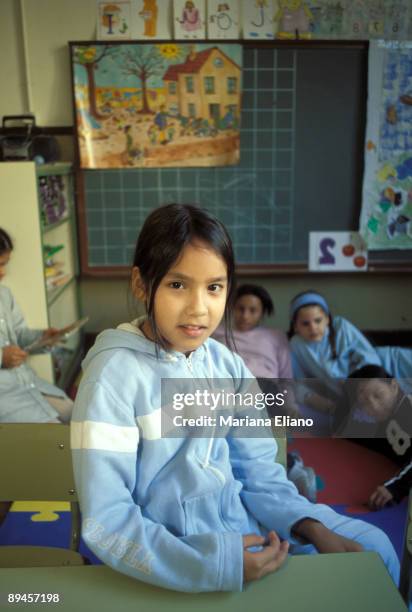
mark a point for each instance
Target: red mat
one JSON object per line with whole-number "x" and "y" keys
{"x": 347, "y": 472}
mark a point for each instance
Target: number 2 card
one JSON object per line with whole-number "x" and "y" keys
{"x": 337, "y": 252}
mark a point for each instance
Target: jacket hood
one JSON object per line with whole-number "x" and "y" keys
{"x": 129, "y": 336}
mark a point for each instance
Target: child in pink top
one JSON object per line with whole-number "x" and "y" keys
{"x": 265, "y": 351}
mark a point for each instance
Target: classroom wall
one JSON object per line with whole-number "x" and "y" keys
{"x": 35, "y": 76}
{"x": 371, "y": 302}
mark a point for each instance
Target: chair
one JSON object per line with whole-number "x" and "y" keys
{"x": 37, "y": 466}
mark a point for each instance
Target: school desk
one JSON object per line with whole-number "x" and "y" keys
{"x": 351, "y": 582}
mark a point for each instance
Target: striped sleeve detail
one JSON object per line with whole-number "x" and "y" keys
{"x": 94, "y": 435}
{"x": 151, "y": 425}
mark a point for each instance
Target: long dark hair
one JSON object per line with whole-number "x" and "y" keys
{"x": 332, "y": 334}
{"x": 165, "y": 233}
{"x": 6, "y": 244}
{"x": 259, "y": 292}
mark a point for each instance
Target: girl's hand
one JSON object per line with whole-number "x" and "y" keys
{"x": 13, "y": 356}
{"x": 379, "y": 498}
{"x": 50, "y": 333}
{"x": 325, "y": 540}
{"x": 268, "y": 560}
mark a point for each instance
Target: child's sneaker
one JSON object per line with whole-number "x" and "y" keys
{"x": 303, "y": 477}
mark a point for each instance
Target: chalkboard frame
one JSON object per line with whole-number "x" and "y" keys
{"x": 380, "y": 262}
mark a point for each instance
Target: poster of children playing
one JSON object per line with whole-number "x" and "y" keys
{"x": 157, "y": 105}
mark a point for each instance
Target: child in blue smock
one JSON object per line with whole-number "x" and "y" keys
{"x": 328, "y": 349}
{"x": 24, "y": 397}
{"x": 189, "y": 513}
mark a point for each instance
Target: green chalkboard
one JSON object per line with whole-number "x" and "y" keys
{"x": 302, "y": 135}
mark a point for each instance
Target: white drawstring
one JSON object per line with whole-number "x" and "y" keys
{"x": 209, "y": 448}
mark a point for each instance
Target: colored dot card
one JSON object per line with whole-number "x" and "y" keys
{"x": 337, "y": 252}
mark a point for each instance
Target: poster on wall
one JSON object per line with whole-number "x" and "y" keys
{"x": 114, "y": 20}
{"x": 223, "y": 19}
{"x": 151, "y": 19}
{"x": 189, "y": 19}
{"x": 329, "y": 19}
{"x": 386, "y": 215}
{"x": 258, "y": 19}
{"x": 157, "y": 105}
{"x": 337, "y": 252}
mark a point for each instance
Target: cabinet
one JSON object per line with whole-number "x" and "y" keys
{"x": 37, "y": 210}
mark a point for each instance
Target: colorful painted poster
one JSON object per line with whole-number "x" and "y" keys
{"x": 151, "y": 19}
{"x": 113, "y": 20}
{"x": 189, "y": 19}
{"x": 386, "y": 217}
{"x": 168, "y": 104}
{"x": 294, "y": 19}
{"x": 223, "y": 20}
{"x": 329, "y": 19}
{"x": 258, "y": 19}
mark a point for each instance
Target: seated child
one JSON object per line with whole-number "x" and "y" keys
{"x": 24, "y": 397}
{"x": 266, "y": 353}
{"x": 187, "y": 513}
{"x": 380, "y": 396}
{"x": 327, "y": 350}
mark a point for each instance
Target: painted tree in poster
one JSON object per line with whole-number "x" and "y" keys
{"x": 143, "y": 62}
{"x": 89, "y": 58}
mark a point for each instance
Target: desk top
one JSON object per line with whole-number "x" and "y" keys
{"x": 351, "y": 582}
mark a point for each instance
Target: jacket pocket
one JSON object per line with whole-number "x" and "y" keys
{"x": 220, "y": 510}
{"x": 202, "y": 513}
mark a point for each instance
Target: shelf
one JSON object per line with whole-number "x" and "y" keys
{"x": 52, "y": 226}
{"x": 54, "y": 294}
{"x": 56, "y": 168}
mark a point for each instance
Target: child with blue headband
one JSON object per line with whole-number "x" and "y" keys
{"x": 325, "y": 349}
{"x": 328, "y": 349}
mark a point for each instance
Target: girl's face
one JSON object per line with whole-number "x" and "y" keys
{"x": 248, "y": 312}
{"x": 190, "y": 300}
{"x": 311, "y": 323}
{"x": 377, "y": 398}
{"x": 4, "y": 260}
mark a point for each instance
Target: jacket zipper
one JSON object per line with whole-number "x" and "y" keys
{"x": 205, "y": 464}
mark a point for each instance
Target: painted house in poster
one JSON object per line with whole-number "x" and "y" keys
{"x": 205, "y": 86}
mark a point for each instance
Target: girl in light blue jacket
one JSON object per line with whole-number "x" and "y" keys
{"x": 187, "y": 512}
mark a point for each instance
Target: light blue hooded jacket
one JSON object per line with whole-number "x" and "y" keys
{"x": 170, "y": 511}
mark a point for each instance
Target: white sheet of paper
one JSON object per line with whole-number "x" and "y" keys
{"x": 337, "y": 252}
{"x": 189, "y": 18}
{"x": 258, "y": 19}
{"x": 113, "y": 20}
{"x": 223, "y": 19}
{"x": 151, "y": 19}
{"x": 63, "y": 335}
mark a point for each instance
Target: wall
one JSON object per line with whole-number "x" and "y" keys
{"x": 372, "y": 302}
{"x": 36, "y": 77}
